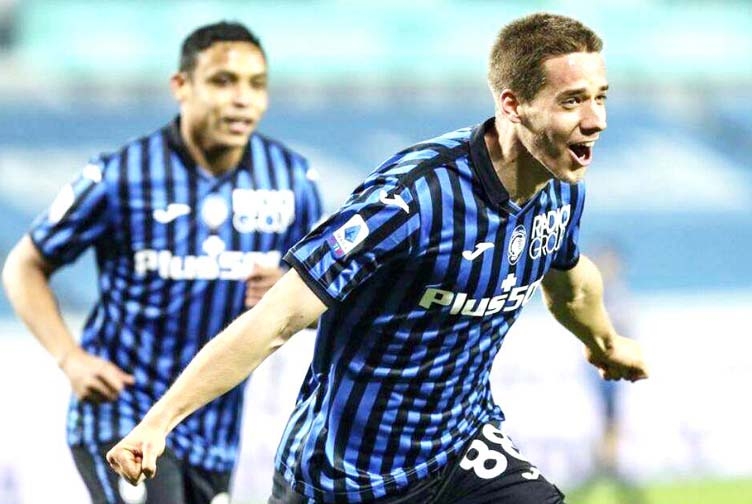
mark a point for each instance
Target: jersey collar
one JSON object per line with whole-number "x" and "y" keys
{"x": 175, "y": 140}
{"x": 484, "y": 170}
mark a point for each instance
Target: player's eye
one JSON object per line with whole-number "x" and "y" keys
{"x": 571, "y": 101}
{"x": 260, "y": 83}
{"x": 222, "y": 80}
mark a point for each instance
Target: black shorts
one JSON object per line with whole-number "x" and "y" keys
{"x": 175, "y": 483}
{"x": 490, "y": 471}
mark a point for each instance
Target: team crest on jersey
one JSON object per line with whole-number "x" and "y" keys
{"x": 548, "y": 231}
{"x": 516, "y": 244}
{"x": 214, "y": 211}
{"x": 347, "y": 237}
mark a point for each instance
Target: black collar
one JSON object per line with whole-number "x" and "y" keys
{"x": 176, "y": 143}
{"x": 483, "y": 168}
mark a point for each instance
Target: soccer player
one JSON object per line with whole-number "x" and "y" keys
{"x": 610, "y": 260}
{"x": 417, "y": 279}
{"x": 189, "y": 224}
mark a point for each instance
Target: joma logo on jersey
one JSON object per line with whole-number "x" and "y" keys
{"x": 227, "y": 265}
{"x": 262, "y": 210}
{"x": 548, "y": 231}
{"x": 461, "y": 304}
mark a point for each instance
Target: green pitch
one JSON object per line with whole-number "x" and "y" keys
{"x": 689, "y": 492}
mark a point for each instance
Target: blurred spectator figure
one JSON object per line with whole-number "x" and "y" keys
{"x": 609, "y": 257}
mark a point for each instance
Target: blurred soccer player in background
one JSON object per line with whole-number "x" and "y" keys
{"x": 417, "y": 279}
{"x": 609, "y": 257}
{"x": 188, "y": 224}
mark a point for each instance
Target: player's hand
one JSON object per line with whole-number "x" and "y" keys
{"x": 94, "y": 379}
{"x": 259, "y": 281}
{"x": 135, "y": 456}
{"x": 622, "y": 359}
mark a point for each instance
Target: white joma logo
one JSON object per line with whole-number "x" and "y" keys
{"x": 172, "y": 212}
{"x": 479, "y": 249}
{"x": 394, "y": 200}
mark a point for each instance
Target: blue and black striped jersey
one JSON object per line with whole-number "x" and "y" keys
{"x": 424, "y": 269}
{"x": 174, "y": 245}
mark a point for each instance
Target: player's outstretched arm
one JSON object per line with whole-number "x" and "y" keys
{"x": 575, "y": 298}
{"x": 221, "y": 364}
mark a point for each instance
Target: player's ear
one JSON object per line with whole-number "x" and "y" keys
{"x": 509, "y": 104}
{"x": 179, "y": 85}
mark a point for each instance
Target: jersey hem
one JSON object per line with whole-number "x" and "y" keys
{"x": 330, "y": 496}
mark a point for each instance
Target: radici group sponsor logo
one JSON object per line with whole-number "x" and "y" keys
{"x": 268, "y": 211}
{"x": 548, "y": 231}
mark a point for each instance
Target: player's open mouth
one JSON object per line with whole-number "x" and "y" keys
{"x": 238, "y": 125}
{"x": 582, "y": 152}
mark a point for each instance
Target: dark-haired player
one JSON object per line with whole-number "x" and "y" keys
{"x": 188, "y": 224}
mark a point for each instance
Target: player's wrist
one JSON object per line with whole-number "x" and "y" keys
{"x": 62, "y": 358}
{"x": 156, "y": 421}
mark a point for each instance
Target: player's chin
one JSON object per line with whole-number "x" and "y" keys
{"x": 571, "y": 175}
{"x": 231, "y": 140}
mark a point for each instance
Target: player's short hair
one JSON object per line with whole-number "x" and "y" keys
{"x": 522, "y": 46}
{"x": 203, "y": 37}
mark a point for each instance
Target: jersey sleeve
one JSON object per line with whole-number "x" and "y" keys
{"x": 374, "y": 227}
{"x": 307, "y": 202}
{"x": 568, "y": 254}
{"x": 76, "y": 218}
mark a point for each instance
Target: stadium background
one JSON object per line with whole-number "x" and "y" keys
{"x": 351, "y": 82}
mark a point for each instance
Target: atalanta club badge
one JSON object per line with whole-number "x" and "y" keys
{"x": 517, "y": 244}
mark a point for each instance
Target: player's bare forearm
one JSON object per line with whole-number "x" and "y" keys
{"x": 575, "y": 298}
{"x": 233, "y": 354}
{"x": 26, "y": 280}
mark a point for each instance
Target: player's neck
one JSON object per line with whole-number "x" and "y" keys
{"x": 520, "y": 173}
{"x": 217, "y": 160}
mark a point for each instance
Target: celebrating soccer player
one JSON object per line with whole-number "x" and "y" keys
{"x": 417, "y": 280}
{"x": 189, "y": 224}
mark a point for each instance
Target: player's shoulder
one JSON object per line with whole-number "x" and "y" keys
{"x": 440, "y": 153}
{"x": 111, "y": 161}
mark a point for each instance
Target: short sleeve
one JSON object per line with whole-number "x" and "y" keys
{"x": 374, "y": 227}
{"x": 76, "y": 218}
{"x": 568, "y": 254}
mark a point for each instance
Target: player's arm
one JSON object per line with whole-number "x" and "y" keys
{"x": 575, "y": 298}
{"x": 26, "y": 275}
{"x": 26, "y": 280}
{"x": 221, "y": 364}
